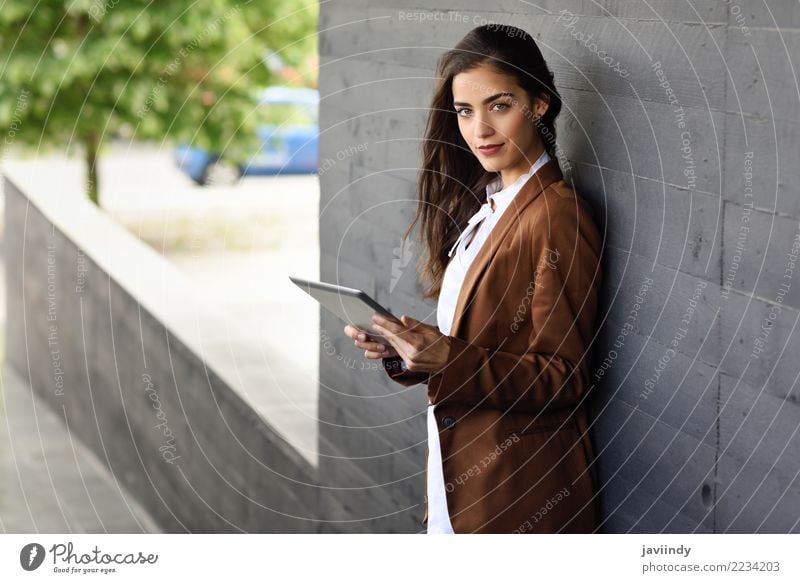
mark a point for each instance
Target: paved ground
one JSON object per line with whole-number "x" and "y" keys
{"x": 49, "y": 481}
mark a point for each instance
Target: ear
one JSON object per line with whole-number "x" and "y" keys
{"x": 541, "y": 104}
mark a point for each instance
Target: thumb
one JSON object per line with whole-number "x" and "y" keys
{"x": 408, "y": 321}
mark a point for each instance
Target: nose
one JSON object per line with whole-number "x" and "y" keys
{"x": 483, "y": 129}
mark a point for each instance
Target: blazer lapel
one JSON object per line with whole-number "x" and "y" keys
{"x": 543, "y": 177}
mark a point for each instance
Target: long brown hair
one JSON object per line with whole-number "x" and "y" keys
{"x": 452, "y": 182}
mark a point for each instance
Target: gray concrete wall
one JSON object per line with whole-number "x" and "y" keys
{"x": 687, "y": 153}
{"x": 177, "y": 408}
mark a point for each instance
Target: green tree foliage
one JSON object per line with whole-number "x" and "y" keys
{"x": 74, "y": 72}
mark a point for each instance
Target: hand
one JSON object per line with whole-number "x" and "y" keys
{"x": 423, "y": 347}
{"x": 374, "y": 349}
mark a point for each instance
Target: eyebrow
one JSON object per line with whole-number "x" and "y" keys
{"x": 488, "y": 99}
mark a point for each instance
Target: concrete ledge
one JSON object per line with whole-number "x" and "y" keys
{"x": 207, "y": 430}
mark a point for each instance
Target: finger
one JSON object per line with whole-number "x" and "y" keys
{"x": 373, "y": 354}
{"x": 387, "y": 335}
{"x": 407, "y": 326}
{"x": 411, "y": 323}
{"x": 392, "y": 331}
{"x": 352, "y": 331}
{"x": 386, "y": 323}
{"x": 375, "y": 346}
{"x": 399, "y": 341}
{"x": 357, "y": 333}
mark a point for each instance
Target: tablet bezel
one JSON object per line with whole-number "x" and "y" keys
{"x": 361, "y": 295}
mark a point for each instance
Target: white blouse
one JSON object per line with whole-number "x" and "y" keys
{"x": 466, "y": 248}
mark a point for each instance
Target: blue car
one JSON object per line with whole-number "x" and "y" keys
{"x": 285, "y": 149}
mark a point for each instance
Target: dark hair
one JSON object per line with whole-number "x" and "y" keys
{"x": 452, "y": 181}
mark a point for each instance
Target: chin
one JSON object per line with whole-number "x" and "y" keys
{"x": 491, "y": 165}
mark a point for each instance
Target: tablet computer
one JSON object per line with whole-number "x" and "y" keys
{"x": 351, "y": 305}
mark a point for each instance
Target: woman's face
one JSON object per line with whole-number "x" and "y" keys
{"x": 493, "y": 110}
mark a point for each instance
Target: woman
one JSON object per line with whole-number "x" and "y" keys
{"x": 513, "y": 257}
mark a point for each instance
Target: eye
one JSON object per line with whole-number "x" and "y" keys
{"x": 503, "y": 106}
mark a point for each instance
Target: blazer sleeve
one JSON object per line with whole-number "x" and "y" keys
{"x": 393, "y": 367}
{"x": 562, "y": 314}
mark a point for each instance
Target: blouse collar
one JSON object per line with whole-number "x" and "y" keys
{"x": 502, "y": 198}
{"x": 496, "y": 192}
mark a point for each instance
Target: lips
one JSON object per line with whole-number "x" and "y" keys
{"x": 489, "y": 148}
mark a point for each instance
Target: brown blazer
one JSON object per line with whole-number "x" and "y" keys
{"x": 510, "y": 402}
